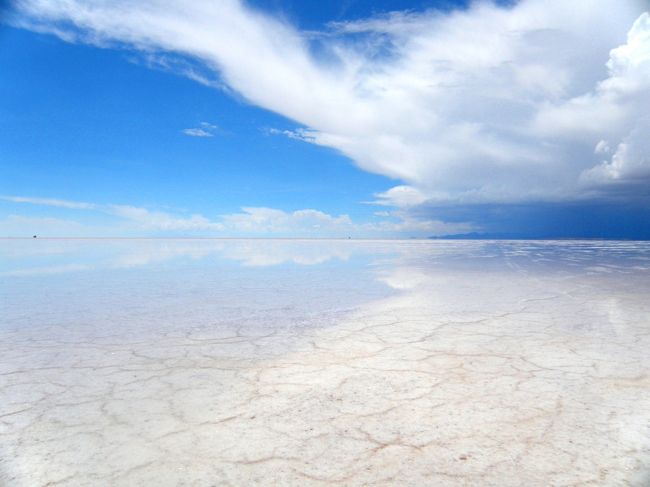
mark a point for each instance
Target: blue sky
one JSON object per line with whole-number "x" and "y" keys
{"x": 289, "y": 118}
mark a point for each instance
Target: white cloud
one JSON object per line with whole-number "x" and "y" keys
{"x": 50, "y": 202}
{"x": 403, "y": 223}
{"x": 196, "y": 132}
{"x": 298, "y": 134}
{"x": 161, "y": 221}
{"x": 183, "y": 66}
{"x": 602, "y": 147}
{"x": 489, "y": 104}
{"x": 300, "y": 222}
{"x": 139, "y": 219}
{"x": 401, "y": 196}
{"x": 205, "y": 129}
{"x": 630, "y": 162}
{"x": 251, "y": 221}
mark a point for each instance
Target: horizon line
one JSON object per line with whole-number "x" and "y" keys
{"x": 432, "y": 238}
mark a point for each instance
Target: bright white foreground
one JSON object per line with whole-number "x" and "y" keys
{"x": 201, "y": 363}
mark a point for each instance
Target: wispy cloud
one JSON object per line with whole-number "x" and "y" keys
{"x": 196, "y": 132}
{"x": 76, "y": 205}
{"x": 297, "y": 134}
{"x": 180, "y": 65}
{"x": 142, "y": 219}
{"x": 204, "y": 129}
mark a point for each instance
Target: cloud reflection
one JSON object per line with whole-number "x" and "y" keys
{"x": 59, "y": 256}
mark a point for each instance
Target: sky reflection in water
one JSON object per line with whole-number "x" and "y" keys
{"x": 139, "y": 362}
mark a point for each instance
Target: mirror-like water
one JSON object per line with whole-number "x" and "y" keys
{"x": 271, "y": 362}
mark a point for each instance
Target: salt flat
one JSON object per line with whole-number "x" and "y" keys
{"x": 269, "y": 362}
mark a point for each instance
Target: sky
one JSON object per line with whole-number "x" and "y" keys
{"x": 379, "y": 119}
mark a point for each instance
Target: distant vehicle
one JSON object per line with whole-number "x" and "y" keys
{"x": 34, "y": 236}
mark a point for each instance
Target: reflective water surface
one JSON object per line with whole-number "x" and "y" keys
{"x": 286, "y": 362}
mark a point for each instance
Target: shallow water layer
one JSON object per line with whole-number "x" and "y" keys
{"x": 270, "y": 362}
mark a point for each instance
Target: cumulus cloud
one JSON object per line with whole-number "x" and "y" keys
{"x": 488, "y": 104}
{"x": 317, "y": 223}
{"x": 274, "y": 220}
{"x": 162, "y": 221}
{"x": 628, "y": 165}
{"x": 250, "y": 221}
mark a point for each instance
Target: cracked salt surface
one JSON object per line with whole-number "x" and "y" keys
{"x": 211, "y": 362}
